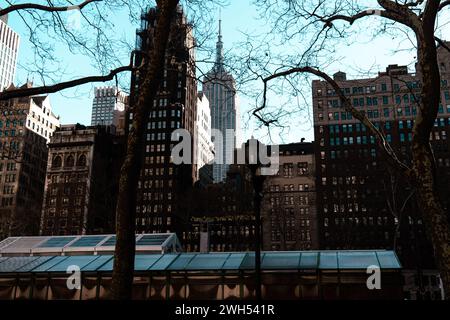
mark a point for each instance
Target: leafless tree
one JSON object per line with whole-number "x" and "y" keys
{"x": 317, "y": 25}
{"x": 46, "y": 24}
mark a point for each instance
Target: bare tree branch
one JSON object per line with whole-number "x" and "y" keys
{"x": 386, "y": 147}
{"x": 23, "y": 92}
{"x": 23, "y": 6}
{"x": 442, "y": 43}
{"x": 444, "y": 4}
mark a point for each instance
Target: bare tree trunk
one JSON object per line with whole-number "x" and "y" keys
{"x": 151, "y": 73}
{"x": 435, "y": 218}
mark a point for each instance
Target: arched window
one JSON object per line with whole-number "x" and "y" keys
{"x": 70, "y": 161}
{"x": 56, "y": 162}
{"x": 81, "y": 161}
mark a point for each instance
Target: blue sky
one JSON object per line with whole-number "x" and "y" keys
{"x": 74, "y": 105}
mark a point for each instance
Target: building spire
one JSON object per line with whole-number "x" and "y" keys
{"x": 219, "y": 46}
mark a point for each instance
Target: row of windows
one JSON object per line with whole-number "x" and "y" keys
{"x": 289, "y": 187}
{"x": 67, "y": 178}
{"x": 157, "y": 172}
{"x": 291, "y": 235}
{"x": 67, "y": 190}
{"x": 69, "y": 161}
{"x": 364, "y": 221}
{"x": 14, "y": 123}
{"x": 162, "y": 125}
{"x": 410, "y": 85}
{"x": 65, "y": 201}
{"x": 289, "y": 200}
{"x": 163, "y": 113}
{"x": 10, "y": 166}
{"x": 288, "y": 169}
{"x": 154, "y": 184}
{"x": 337, "y": 154}
{"x": 358, "y": 127}
{"x": 149, "y": 196}
{"x": 155, "y": 208}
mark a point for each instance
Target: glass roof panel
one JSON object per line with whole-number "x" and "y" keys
{"x": 388, "y": 260}
{"x": 55, "y": 242}
{"x": 208, "y": 261}
{"x": 234, "y": 261}
{"x": 357, "y": 260}
{"x": 309, "y": 260}
{"x": 152, "y": 240}
{"x": 181, "y": 261}
{"x": 110, "y": 242}
{"x": 328, "y": 260}
{"x": 143, "y": 262}
{"x": 14, "y": 263}
{"x": 164, "y": 262}
{"x": 49, "y": 264}
{"x": 87, "y": 241}
{"x": 79, "y": 261}
{"x": 97, "y": 263}
{"x": 34, "y": 264}
{"x": 249, "y": 261}
{"x": 281, "y": 260}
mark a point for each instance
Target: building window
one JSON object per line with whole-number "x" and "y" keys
{"x": 70, "y": 161}
{"x": 57, "y": 162}
{"x": 81, "y": 161}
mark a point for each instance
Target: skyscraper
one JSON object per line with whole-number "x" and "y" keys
{"x": 220, "y": 89}
{"x": 9, "y": 45}
{"x": 109, "y": 103}
{"x": 163, "y": 184}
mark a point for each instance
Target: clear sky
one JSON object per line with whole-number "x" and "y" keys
{"x": 74, "y": 105}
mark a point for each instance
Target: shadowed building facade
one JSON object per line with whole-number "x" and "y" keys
{"x": 221, "y": 215}
{"x": 25, "y": 126}
{"x": 361, "y": 202}
{"x": 82, "y": 179}
{"x": 163, "y": 188}
{"x": 289, "y": 217}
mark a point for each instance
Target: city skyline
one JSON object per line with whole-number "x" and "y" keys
{"x": 74, "y": 105}
{"x": 341, "y": 190}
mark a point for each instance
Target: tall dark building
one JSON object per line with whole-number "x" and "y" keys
{"x": 362, "y": 203}
{"x": 163, "y": 186}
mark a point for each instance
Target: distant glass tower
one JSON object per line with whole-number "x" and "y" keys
{"x": 108, "y": 103}
{"x": 220, "y": 89}
{"x": 9, "y": 46}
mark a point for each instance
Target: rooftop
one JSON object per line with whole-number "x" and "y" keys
{"x": 84, "y": 245}
{"x": 293, "y": 260}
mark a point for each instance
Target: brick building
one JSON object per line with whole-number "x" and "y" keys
{"x": 289, "y": 206}
{"x": 361, "y": 202}
{"x": 81, "y": 182}
{"x": 25, "y": 126}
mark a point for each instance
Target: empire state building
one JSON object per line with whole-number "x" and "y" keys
{"x": 220, "y": 89}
